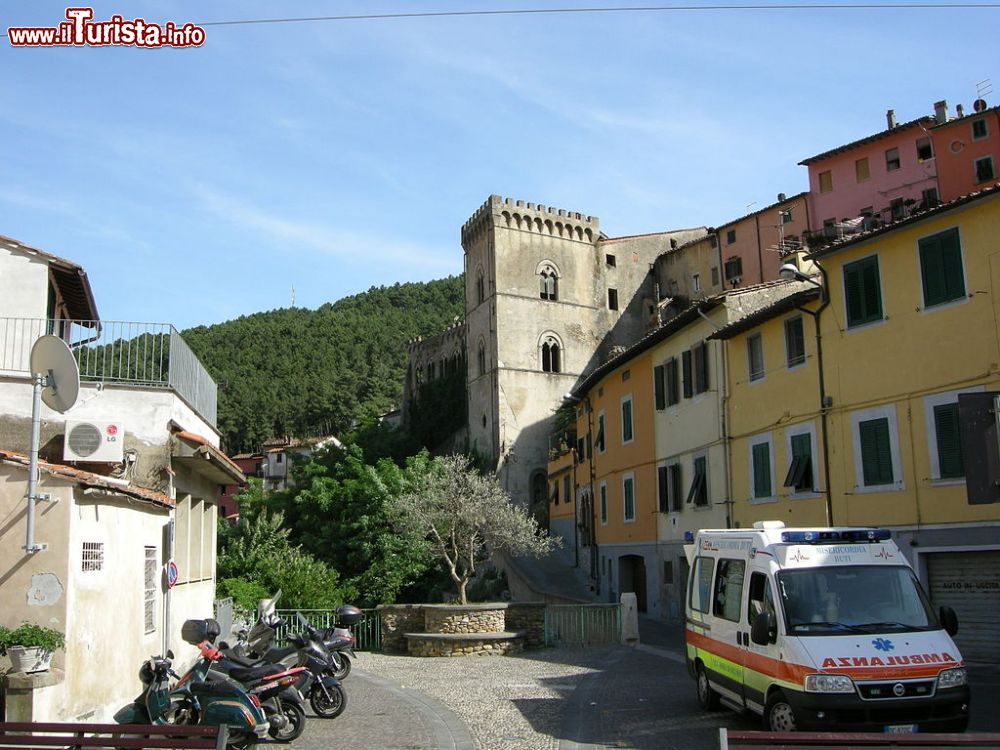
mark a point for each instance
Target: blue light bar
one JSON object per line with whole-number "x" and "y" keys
{"x": 688, "y": 536}
{"x": 829, "y": 537}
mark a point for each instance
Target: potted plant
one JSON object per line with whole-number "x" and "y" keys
{"x": 30, "y": 646}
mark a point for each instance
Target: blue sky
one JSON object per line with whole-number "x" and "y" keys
{"x": 198, "y": 185}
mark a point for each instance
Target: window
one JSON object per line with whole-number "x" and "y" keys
{"x": 713, "y": 241}
{"x": 698, "y": 494}
{"x": 728, "y": 597}
{"x": 979, "y": 129}
{"x": 701, "y": 583}
{"x": 701, "y": 368}
{"x": 875, "y": 442}
{"x": 551, "y": 355}
{"x": 862, "y": 292}
{"x": 600, "y": 432}
{"x": 567, "y": 488}
{"x": 861, "y": 170}
{"x": 279, "y": 458}
{"x": 554, "y": 497}
{"x": 627, "y": 420}
{"x": 734, "y": 269}
{"x": 150, "y": 569}
{"x": 755, "y": 357}
{"x": 676, "y": 487}
{"x": 941, "y": 268}
{"x": 760, "y": 600}
{"x": 715, "y": 276}
{"x": 480, "y": 286}
{"x": 610, "y": 260}
{"x": 481, "y": 357}
{"x": 696, "y": 282}
{"x": 92, "y": 557}
{"x": 795, "y": 342}
{"x": 659, "y": 388}
{"x": 800, "y": 470}
{"x": 628, "y": 497}
{"x": 826, "y": 181}
{"x": 944, "y": 440}
{"x": 730, "y": 236}
{"x": 612, "y": 299}
{"x": 785, "y": 217}
{"x": 548, "y": 284}
{"x": 688, "y": 382}
{"x": 876, "y": 452}
{"x": 761, "y": 471}
{"x": 581, "y": 446}
{"x": 604, "y": 503}
{"x": 662, "y": 489}
{"x": 673, "y": 381}
{"x": 892, "y": 160}
{"x": 984, "y": 169}
{"x": 925, "y": 151}
{"x": 930, "y": 198}
{"x": 897, "y": 209}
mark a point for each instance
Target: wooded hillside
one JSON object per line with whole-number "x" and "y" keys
{"x": 313, "y": 372}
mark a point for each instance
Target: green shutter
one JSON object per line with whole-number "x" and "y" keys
{"x": 941, "y": 268}
{"x": 863, "y": 292}
{"x": 686, "y": 364}
{"x": 949, "y": 443}
{"x": 672, "y": 390}
{"x": 676, "y": 487}
{"x": 761, "y": 470}
{"x": 658, "y": 390}
{"x": 800, "y": 475}
{"x": 876, "y": 452}
{"x": 661, "y": 486}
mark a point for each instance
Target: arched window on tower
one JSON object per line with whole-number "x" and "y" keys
{"x": 551, "y": 355}
{"x": 480, "y": 287}
{"x": 548, "y": 283}
{"x": 482, "y": 357}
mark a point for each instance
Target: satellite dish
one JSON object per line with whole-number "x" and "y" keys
{"x": 52, "y": 359}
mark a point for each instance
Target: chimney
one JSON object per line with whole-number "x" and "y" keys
{"x": 890, "y": 118}
{"x": 959, "y": 110}
{"x": 781, "y": 197}
{"x": 941, "y": 112}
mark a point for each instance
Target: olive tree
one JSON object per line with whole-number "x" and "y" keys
{"x": 465, "y": 516}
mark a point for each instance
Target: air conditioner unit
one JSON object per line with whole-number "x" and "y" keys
{"x": 94, "y": 441}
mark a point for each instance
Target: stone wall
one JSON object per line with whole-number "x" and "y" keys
{"x": 398, "y": 619}
{"x": 528, "y": 618}
{"x": 497, "y": 644}
{"x": 471, "y": 618}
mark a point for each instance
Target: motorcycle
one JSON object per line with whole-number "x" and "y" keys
{"x": 272, "y": 687}
{"x": 340, "y": 641}
{"x": 219, "y": 704}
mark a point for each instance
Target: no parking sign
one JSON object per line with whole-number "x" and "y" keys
{"x": 171, "y": 574}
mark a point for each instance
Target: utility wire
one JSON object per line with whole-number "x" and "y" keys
{"x": 624, "y": 9}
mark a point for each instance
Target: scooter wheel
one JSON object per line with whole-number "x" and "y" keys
{"x": 296, "y": 722}
{"x": 328, "y": 703}
{"x": 240, "y": 740}
{"x": 341, "y": 666}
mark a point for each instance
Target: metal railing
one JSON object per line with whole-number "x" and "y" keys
{"x": 583, "y": 624}
{"x": 368, "y": 632}
{"x": 128, "y": 353}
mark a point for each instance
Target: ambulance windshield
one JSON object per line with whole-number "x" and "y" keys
{"x": 854, "y": 599}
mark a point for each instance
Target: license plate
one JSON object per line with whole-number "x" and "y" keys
{"x": 900, "y": 728}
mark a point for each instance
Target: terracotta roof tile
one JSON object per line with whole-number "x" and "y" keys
{"x": 925, "y": 121}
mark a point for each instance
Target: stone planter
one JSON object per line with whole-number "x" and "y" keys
{"x": 29, "y": 659}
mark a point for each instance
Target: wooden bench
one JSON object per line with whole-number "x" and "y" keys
{"x": 79, "y": 736}
{"x": 730, "y": 739}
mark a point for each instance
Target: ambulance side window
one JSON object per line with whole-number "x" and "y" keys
{"x": 729, "y": 589}
{"x": 701, "y": 583}
{"x": 759, "y": 599}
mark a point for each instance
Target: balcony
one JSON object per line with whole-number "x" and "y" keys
{"x": 151, "y": 355}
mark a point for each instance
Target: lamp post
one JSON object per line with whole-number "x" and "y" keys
{"x": 791, "y": 272}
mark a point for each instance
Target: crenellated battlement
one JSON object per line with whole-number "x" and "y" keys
{"x": 530, "y": 217}
{"x": 454, "y": 333}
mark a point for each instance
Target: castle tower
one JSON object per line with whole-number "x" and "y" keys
{"x": 536, "y": 312}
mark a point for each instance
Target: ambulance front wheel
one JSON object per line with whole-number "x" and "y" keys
{"x": 708, "y": 698}
{"x": 778, "y": 714}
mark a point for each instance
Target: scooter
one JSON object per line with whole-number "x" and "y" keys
{"x": 220, "y": 704}
{"x": 340, "y": 641}
{"x": 271, "y": 687}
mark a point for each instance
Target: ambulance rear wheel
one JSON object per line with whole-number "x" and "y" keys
{"x": 778, "y": 714}
{"x": 708, "y": 698}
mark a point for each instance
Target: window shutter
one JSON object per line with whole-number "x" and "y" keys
{"x": 876, "y": 452}
{"x": 658, "y": 388}
{"x": 949, "y": 443}
{"x": 673, "y": 392}
{"x": 686, "y": 365}
{"x": 852, "y": 291}
{"x": 932, "y": 271}
{"x": 661, "y": 486}
{"x": 861, "y": 287}
{"x": 761, "y": 470}
{"x": 872, "y": 293}
{"x": 701, "y": 367}
{"x": 795, "y": 342}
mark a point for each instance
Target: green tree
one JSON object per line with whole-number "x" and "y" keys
{"x": 465, "y": 515}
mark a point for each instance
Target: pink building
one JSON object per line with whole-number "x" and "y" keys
{"x": 880, "y": 176}
{"x": 967, "y": 151}
{"x": 251, "y": 465}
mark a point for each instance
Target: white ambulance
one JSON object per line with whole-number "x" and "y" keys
{"x": 818, "y": 629}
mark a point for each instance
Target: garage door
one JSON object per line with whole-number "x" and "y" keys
{"x": 969, "y": 583}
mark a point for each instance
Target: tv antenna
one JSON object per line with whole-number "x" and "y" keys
{"x": 56, "y": 382}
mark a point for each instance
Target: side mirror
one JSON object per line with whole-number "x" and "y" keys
{"x": 170, "y": 654}
{"x": 949, "y": 620}
{"x": 764, "y": 629}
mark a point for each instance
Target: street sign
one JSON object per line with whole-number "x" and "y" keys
{"x": 171, "y": 574}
